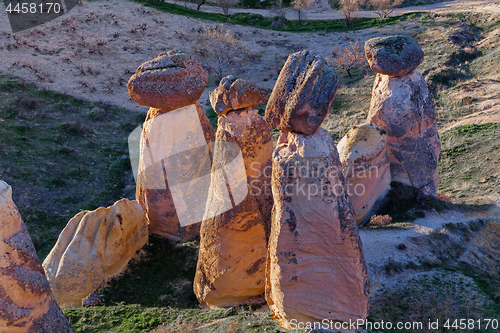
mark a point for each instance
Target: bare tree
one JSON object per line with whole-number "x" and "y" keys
{"x": 349, "y": 7}
{"x": 299, "y": 5}
{"x": 279, "y": 12}
{"x": 348, "y": 58}
{"x": 384, "y": 8}
{"x": 226, "y": 5}
{"x": 199, "y": 3}
{"x": 219, "y": 49}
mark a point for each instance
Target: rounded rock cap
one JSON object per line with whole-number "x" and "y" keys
{"x": 168, "y": 82}
{"x": 235, "y": 94}
{"x": 393, "y": 55}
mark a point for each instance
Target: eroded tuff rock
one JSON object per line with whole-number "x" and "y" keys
{"x": 303, "y": 93}
{"x": 315, "y": 266}
{"x": 168, "y": 82}
{"x": 234, "y": 94}
{"x": 93, "y": 247}
{"x": 233, "y": 244}
{"x": 403, "y": 107}
{"x": 26, "y": 301}
{"x": 181, "y": 129}
{"x": 393, "y": 55}
{"x": 366, "y": 165}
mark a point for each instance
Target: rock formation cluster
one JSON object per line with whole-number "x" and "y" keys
{"x": 94, "y": 247}
{"x": 315, "y": 264}
{"x": 401, "y": 129}
{"x": 26, "y": 301}
{"x": 171, "y": 84}
{"x": 233, "y": 244}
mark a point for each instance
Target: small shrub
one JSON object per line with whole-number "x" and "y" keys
{"x": 348, "y": 8}
{"x": 348, "y": 58}
{"x": 380, "y": 220}
{"x": 384, "y": 8}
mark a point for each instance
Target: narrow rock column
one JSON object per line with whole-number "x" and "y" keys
{"x": 364, "y": 158}
{"x": 315, "y": 265}
{"x": 233, "y": 242}
{"x": 26, "y": 301}
{"x": 403, "y": 107}
{"x": 172, "y": 81}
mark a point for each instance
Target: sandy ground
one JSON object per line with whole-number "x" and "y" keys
{"x": 91, "y": 52}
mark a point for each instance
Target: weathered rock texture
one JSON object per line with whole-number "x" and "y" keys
{"x": 315, "y": 266}
{"x": 233, "y": 245}
{"x": 158, "y": 203}
{"x": 364, "y": 158}
{"x": 393, "y": 55}
{"x": 168, "y": 82}
{"x": 303, "y": 93}
{"x": 403, "y": 107}
{"x": 26, "y": 301}
{"x": 234, "y": 94}
{"x": 93, "y": 247}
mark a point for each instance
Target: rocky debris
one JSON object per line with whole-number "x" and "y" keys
{"x": 233, "y": 242}
{"x": 26, "y": 301}
{"x": 168, "y": 82}
{"x": 315, "y": 265}
{"x": 180, "y": 129}
{"x": 93, "y": 300}
{"x": 235, "y": 94}
{"x": 393, "y": 55}
{"x": 403, "y": 107}
{"x": 366, "y": 165}
{"x": 94, "y": 247}
{"x": 303, "y": 93}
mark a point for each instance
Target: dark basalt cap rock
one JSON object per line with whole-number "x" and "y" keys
{"x": 393, "y": 55}
{"x": 168, "y": 82}
{"x": 234, "y": 94}
{"x": 303, "y": 93}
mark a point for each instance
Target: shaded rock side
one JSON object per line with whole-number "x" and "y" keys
{"x": 158, "y": 203}
{"x": 393, "y": 55}
{"x": 403, "y": 107}
{"x": 94, "y": 247}
{"x": 26, "y": 301}
{"x": 235, "y": 94}
{"x": 303, "y": 93}
{"x": 233, "y": 244}
{"x": 366, "y": 165}
{"x": 170, "y": 81}
{"x": 315, "y": 266}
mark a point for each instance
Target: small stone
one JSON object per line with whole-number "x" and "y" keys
{"x": 168, "y": 82}
{"x": 303, "y": 93}
{"x": 393, "y": 55}
{"x": 234, "y": 94}
{"x": 92, "y": 300}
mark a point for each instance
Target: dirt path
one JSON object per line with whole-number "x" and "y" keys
{"x": 323, "y": 11}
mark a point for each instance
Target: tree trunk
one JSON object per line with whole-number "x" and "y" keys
{"x": 349, "y": 73}
{"x": 200, "y": 4}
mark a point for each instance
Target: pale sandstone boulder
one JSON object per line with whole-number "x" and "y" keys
{"x": 403, "y": 107}
{"x": 366, "y": 165}
{"x": 168, "y": 82}
{"x": 26, "y": 301}
{"x": 157, "y": 201}
{"x": 393, "y": 55}
{"x": 233, "y": 243}
{"x": 94, "y": 247}
{"x": 303, "y": 93}
{"x": 234, "y": 94}
{"x": 315, "y": 266}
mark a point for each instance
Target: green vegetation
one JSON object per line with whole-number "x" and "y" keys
{"x": 158, "y": 289}
{"x": 259, "y": 21}
{"x": 61, "y": 155}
